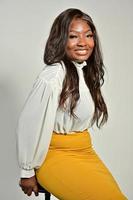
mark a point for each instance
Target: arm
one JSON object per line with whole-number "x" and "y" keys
{"x": 35, "y": 126}
{"x": 36, "y": 123}
{"x": 34, "y": 130}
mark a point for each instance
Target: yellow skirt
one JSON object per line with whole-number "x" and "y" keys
{"x": 73, "y": 171}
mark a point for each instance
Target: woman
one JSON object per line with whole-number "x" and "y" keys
{"x": 54, "y": 144}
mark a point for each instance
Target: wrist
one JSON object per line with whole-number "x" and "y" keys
{"x": 27, "y": 173}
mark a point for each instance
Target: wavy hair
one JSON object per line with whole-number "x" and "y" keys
{"x": 93, "y": 71}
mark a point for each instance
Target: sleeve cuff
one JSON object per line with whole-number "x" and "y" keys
{"x": 27, "y": 173}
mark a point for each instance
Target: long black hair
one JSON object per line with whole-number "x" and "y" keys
{"x": 93, "y": 71}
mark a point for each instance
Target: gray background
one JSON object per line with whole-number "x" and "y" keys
{"x": 24, "y": 27}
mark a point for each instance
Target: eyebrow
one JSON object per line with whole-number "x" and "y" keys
{"x": 89, "y": 30}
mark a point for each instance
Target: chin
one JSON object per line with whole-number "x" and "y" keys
{"x": 81, "y": 60}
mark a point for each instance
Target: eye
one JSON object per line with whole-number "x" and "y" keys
{"x": 89, "y": 35}
{"x": 72, "y": 36}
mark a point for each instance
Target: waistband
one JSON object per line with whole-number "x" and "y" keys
{"x": 78, "y": 140}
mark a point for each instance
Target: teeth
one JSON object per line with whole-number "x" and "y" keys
{"x": 82, "y": 51}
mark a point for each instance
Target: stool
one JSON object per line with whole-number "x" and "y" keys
{"x": 43, "y": 190}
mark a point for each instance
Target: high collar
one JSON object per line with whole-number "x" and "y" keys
{"x": 79, "y": 65}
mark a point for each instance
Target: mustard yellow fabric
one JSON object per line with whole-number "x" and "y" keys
{"x": 73, "y": 171}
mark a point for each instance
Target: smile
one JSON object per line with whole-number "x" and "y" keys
{"x": 82, "y": 51}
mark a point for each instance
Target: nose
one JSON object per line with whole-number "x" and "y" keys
{"x": 82, "y": 41}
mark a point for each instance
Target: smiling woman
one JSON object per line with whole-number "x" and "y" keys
{"x": 80, "y": 42}
{"x": 54, "y": 144}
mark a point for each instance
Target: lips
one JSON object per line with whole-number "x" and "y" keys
{"x": 82, "y": 51}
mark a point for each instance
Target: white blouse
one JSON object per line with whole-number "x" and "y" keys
{"x": 40, "y": 116}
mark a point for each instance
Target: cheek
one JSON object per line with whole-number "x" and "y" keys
{"x": 91, "y": 44}
{"x": 71, "y": 44}
{"x": 69, "y": 48}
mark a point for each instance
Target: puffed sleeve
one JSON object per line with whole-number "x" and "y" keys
{"x": 35, "y": 125}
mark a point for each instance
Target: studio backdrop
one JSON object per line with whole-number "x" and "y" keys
{"x": 24, "y": 28}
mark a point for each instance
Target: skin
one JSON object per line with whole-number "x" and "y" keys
{"x": 29, "y": 185}
{"x": 79, "y": 47}
{"x": 80, "y": 43}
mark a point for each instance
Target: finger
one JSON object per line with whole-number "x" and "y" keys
{"x": 29, "y": 191}
{"x": 35, "y": 190}
{"x": 25, "y": 190}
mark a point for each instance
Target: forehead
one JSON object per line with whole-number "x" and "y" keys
{"x": 79, "y": 25}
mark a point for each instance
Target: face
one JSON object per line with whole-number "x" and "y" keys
{"x": 80, "y": 42}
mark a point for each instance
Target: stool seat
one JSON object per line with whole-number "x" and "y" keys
{"x": 43, "y": 190}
